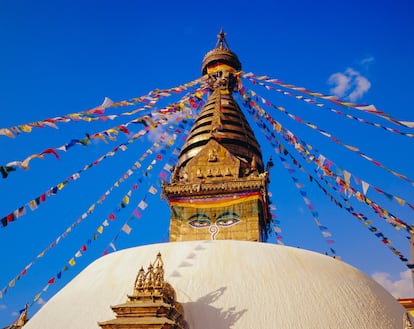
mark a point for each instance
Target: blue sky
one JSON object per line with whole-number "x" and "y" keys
{"x": 63, "y": 57}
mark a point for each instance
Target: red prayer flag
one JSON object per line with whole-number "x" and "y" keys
{"x": 10, "y": 217}
{"x": 50, "y": 151}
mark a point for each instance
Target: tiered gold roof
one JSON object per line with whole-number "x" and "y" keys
{"x": 221, "y": 118}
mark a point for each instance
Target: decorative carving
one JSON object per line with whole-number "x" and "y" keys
{"x": 212, "y": 155}
{"x": 152, "y": 305}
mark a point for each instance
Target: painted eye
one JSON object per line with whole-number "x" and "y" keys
{"x": 227, "y": 221}
{"x": 199, "y": 223}
{"x": 227, "y": 218}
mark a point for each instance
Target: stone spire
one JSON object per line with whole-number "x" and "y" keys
{"x": 218, "y": 189}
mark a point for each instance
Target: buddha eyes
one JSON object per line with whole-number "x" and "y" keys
{"x": 200, "y": 223}
{"x": 225, "y": 219}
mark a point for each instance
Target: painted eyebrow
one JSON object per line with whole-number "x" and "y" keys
{"x": 199, "y": 216}
{"x": 227, "y": 213}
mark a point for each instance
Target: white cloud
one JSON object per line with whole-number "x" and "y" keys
{"x": 341, "y": 84}
{"x": 400, "y": 288}
{"x": 3, "y": 307}
{"x": 362, "y": 85}
{"x": 349, "y": 84}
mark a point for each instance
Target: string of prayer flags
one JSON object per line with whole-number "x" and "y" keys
{"x": 125, "y": 228}
{"x": 142, "y": 204}
{"x": 365, "y": 221}
{"x": 98, "y": 112}
{"x": 111, "y": 133}
{"x": 33, "y": 204}
{"x": 304, "y": 150}
{"x": 331, "y": 137}
{"x": 371, "y": 109}
{"x": 89, "y": 211}
{"x": 322, "y": 105}
{"x": 276, "y": 225}
{"x": 326, "y": 234}
{"x": 72, "y": 261}
{"x": 300, "y": 186}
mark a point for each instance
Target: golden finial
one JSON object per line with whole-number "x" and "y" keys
{"x": 221, "y": 40}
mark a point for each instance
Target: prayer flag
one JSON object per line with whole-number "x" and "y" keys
{"x": 142, "y": 205}
{"x": 365, "y": 187}
{"x": 152, "y": 190}
{"x": 126, "y": 228}
{"x": 137, "y": 214}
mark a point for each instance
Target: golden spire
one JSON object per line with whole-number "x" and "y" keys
{"x": 218, "y": 189}
{"x": 221, "y": 118}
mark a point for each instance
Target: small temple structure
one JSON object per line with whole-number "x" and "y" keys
{"x": 152, "y": 305}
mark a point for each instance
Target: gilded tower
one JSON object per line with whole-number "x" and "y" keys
{"x": 218, "y": 189}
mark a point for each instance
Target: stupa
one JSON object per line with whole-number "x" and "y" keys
{"x": 217, "y": 272}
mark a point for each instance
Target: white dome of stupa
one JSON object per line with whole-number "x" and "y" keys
{"x": 230, "y": 284}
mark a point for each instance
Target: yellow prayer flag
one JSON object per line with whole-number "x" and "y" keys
{"x": 72, "y": 262}
{"x": 26, "y": 128}
{"x": 399, "y": 200}
{"x": 100, "y": 136}
{"x": 352, "y": 148}
{"x": 126, "y": 199}
{"x": 278, "y": 127}
{"x": 100, "y": 229}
